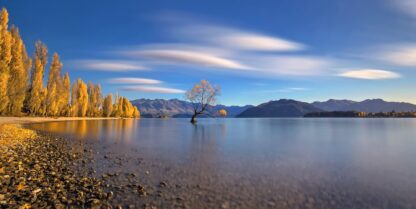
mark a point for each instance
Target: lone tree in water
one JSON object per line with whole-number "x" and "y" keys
{"x": 201, "y": 96}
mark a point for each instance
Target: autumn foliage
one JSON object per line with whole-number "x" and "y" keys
{"x": 202, "y": 95}
{"x": 222, "y": 113}
{"x": 22, "y": 90}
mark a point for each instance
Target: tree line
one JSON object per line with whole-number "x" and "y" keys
{"x": 22, "y": 90}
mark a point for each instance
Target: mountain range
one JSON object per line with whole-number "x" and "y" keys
{"x": 369, "y": 105}
{"x": 178, "y": 108}
{"x": 278, "y": 108}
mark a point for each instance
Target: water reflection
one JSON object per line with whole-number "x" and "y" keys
{"x": 118, "y": 130}
{"x": 374, "y": 156}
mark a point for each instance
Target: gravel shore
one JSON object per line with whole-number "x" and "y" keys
{"x": 45, "y": 171}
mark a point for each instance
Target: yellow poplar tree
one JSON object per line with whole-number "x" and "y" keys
{"x": 95, "y": 100}
{"x": 73, "y": 109}
{"x": 42, "y": 109}
{"x": 64, "y": 95}
{"x": 79, "y": 99}
{"x": 108, "y": 105}
{"x": 54, "y": 86}
{"x": 37, "y": 93}
{"x": 122, "y": 107}
{"x": 136, "y": 112}
{"x": 5, "y": 58}
{"x": 127, "y": 110}
{"x": 18, "y": 74}
{"x": 116, "y": 106}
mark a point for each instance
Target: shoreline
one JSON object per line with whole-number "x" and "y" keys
{"x": 27, "y": 120}
{"x": 40, "y": 169}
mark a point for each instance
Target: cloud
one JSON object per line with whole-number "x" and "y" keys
{"x": 222, "y": 59}
{"x": 153, "y": 89}
{"x": 399, "y": 54}
{"x": 258, "y": 84}
{"x": 288, "y": 90}
{"x": 109, "y": 65}
{"x": 290, "y": 65}
{"x": 209, "y": 46}
{"x": 238, "y": 39}
{"x": 186, "y": 56}
{"x": 134, "y": 81}
{"x": 407, "y": 6}
{"x": 370, "y": 74}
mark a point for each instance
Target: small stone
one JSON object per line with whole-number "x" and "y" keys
{"x": 94, "y": 202}
{"x": 140, "y": 190}
{"x": 110, "y": 195}
{"x": 225, "y": 205}
{"x": 271, "y": 204}
{"x": 163, "y": 184}
{"x": 36, "y": 191}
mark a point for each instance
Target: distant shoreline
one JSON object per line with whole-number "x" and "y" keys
{"x": 355, "y": 114}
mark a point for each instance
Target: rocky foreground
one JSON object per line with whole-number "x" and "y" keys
{"x": 40, "y": 171}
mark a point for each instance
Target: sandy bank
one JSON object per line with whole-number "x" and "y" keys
{"x": 23, "y": 120}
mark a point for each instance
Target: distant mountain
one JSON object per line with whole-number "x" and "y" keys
{"x": 369, "y": 105}
{"x": 280, "y": 108}
{"x": 333, "y": 105}
{"x": 178, "y": 108}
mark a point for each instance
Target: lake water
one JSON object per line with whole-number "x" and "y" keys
{"x": 261, "y": 163}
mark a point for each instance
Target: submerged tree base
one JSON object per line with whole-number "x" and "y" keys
{"x": 193, "y": 120}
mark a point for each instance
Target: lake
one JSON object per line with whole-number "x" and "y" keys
{"x": 258, "y": 163}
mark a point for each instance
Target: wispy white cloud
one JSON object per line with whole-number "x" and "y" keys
{"x": 132, "y": 80}
{"x": 186, "y": 56}
{"x": 399, "y": 54}
{"x": 258, "y": 84}
{"x": 370, "y": 74}
{"x": 407, "y": 6}
{"x": 206, "y": 56}
{"x": 153, "y": 89}
{"x": 288, "y": 90}
{"x": 290, "y": 65}
{"x": 210, "y": 46}
{"x": 237, "y": 38}
{"x": 109, "y": 65}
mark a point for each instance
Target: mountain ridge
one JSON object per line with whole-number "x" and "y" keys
{"x": 279, "y": 108}
{"x": 287, "y": 108}
{"x": 179, "y": 108}
{"x": 368, "y": 105}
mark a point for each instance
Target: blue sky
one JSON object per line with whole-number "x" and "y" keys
{"x": 255, "y": 50}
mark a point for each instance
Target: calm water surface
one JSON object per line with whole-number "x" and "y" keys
{"x": 263, "y": 163}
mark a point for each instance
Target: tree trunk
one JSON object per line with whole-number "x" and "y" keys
{"x": 193, "y": 120}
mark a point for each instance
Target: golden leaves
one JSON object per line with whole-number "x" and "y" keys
{"x": 20, "y": 186}
{"x": 202, "y": 95}
{"x": 222, "y": 113}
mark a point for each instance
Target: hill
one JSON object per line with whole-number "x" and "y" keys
{"x": 279, "y": 108}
